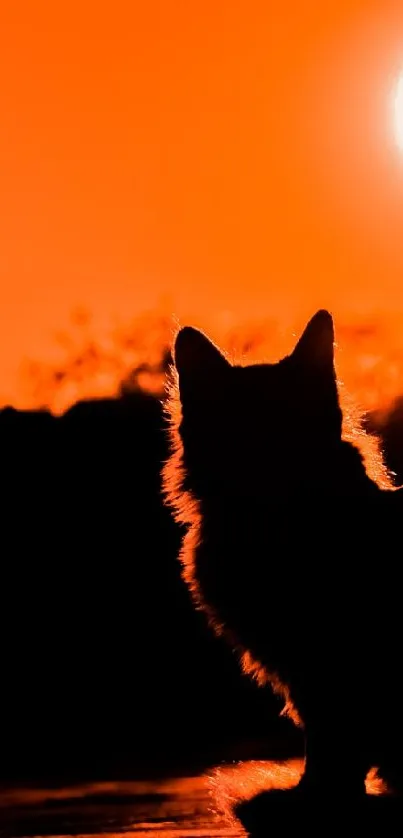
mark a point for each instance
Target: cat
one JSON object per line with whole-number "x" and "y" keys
{"x": 292, "y": 544}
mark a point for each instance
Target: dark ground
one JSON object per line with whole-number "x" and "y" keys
{"x": 106, "y": 670}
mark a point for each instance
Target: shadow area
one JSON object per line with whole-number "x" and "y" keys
{"x": 291, "y": 811}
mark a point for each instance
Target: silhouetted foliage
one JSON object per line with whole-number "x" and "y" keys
{"x": 90, "y": 363}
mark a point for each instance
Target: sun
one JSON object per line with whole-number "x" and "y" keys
{"x": 398, "y": 112}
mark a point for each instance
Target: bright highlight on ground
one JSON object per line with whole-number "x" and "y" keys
{"x": 398, "y": 113}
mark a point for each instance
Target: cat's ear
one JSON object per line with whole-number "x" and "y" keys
{"x": 197, "y": 360}
{"x": 315, "y": 348}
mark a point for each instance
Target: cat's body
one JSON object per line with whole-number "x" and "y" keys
{"x": 292, "y": 549}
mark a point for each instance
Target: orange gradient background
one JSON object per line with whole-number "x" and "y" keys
{"x": 225, "y": 161}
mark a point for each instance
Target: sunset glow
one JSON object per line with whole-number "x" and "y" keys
{"x": 226, "y": 165}
{"x": 399, "y": 113}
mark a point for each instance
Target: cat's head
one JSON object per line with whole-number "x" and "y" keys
{"x": 248, "y": 429}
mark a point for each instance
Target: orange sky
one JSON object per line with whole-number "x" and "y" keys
{"x": 232, "y": 155}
